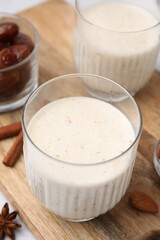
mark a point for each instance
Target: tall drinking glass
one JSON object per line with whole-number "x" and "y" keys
{"x": 118, "y": 40}
{"x": 79, "y": 150}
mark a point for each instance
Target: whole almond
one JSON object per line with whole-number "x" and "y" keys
{"x": 143, "y": 202}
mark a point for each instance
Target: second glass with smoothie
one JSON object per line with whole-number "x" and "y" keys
{"x": 118, "y": 40}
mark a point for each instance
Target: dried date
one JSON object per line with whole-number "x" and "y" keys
{"x": 8, "y": 31}
{"x": 23, "y": 39}
{"x": 13, "y": 55}
{"x": 14, "y": 48}
{"x": 26, "y": 71}
{"x": 8, "y": 80}
{"x": 4, "y": 45}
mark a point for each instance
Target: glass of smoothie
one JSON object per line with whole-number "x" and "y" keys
{"x": 79, "y": 150}
{"x": 118, "y": 39}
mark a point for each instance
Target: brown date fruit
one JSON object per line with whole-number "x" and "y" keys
{"x": 8, "y": 80}
{"x": 10, "y": 93}
{"x": 7, "y": 57}
{"x": 15, "y": 89}
{"x": 23, "y": 39}
{"x": 13, "y": 55}
{"x": 14, "y": 47}
{"x": 4, "y": 45}
{"x": 26, "y": 72}
{"x": 8, "y": 31}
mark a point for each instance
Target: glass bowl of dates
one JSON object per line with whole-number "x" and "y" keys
{"x": 18, "y": 61}
{"x": 156, "y": 157}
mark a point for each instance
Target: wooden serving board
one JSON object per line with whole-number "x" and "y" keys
{"x": 55, "y": 21}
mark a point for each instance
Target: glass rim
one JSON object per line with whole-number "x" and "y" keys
{"x": 36, "y": 39}
{"x": 72, "y": 76}
{"x": 78, "y": 10}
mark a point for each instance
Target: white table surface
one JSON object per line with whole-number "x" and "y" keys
{"x": 22, "y": 233}
{"x": 15, "y": 6}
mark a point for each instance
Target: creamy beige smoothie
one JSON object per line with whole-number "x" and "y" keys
{"x": 113, "y": 39}
{"x": 75, "y": 178}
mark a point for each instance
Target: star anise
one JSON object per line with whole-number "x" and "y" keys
{"x": 7, "y": 225}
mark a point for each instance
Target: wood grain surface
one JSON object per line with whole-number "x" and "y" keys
{"x": 55, "y": 21}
